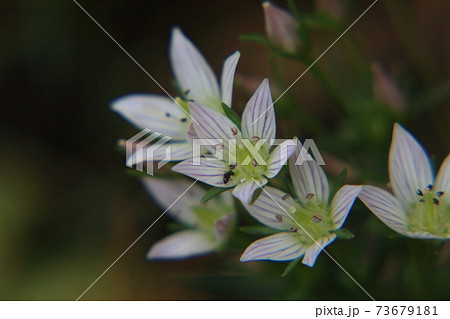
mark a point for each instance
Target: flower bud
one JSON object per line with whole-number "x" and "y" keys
{"x": 385, "y": 89}
{"x": 281, "y": 28}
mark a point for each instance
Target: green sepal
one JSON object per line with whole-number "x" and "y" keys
{"x": 344, "y": 233}
{"x": 256, "y": 194}
{"x": 232, "y": 115}
{"x": 256, "y": 38}
{"x": 213, "y": 192}
{"x": 290, "y": 267}
{"x": 258, "y": 230}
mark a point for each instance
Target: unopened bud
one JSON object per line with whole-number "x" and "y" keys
{"x": 385, "y": 89}
{"x": 281, "y": 28}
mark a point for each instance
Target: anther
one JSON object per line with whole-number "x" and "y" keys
{"x": 255, "y": 139}
{"x": 293, "y": 230}
{"x": 234, "y": 130}
{"x": 430, "y": 187}
{"x": 316, "y": 219}
{"x": 183, "y": 120}
{"x": 279, "y": 218}
{"x": 285, "y": 197}
{"x": 435, "y": 201}
{"x": 422, "y": 200}
{"x": 168, "y": 114}
{"x": 254, "y": 163}
{"x": 419, "y": 192}
{"x": 439, "y": 194}
{"x": 309, "y": 196}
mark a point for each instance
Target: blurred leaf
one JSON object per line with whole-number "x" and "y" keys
{"x": 213, "y": 192}
{"x": 232, "y": 115}
{"x": 290, "y": 267}
{"x": 258, "y": 230}
{"x": 344, "y": 233}
{"x": 256, "y": 38}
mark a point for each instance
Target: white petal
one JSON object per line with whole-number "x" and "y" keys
{"x": 314, "y": 250}
{"x": 223, "y": 225}
{"x": 167, "y": 194}
{"x": 409, "y": 166}
{"x": 342, "y": 202}
{"x": 307, "y": 176}
{"x": 271, "y": 209}
{"x": 226, "y": 83}
{"x": 192, "y": 72}
{"x": 258, "y": 118}
{"x": 423, "y": 235}
{"x": 181, "y": 245}
{"x": 157, "y": 113}
{"x": 244, "y": 191}
{"x": 210, "y": 171}
{"x": 278, "y": 157}
{"x": 156, "y": 153}
{"x": 282, "y": 246}
{"x": 442, "y": 183}
{"x": 213, "y": 125}
{"x": 385, "y": 206}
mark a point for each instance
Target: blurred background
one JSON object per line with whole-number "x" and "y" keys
{"x": 68, "y": 207}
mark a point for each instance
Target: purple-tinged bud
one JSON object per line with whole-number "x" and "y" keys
{"x": 281, "y": 28}
{"x": 333, "y": 8}
{"x": 385, "y": 89}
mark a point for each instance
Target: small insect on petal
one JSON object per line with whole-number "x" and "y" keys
{"x": 309, "y": 196}
{"x": 279, "y": 218}
{"x": 233, "y": 166}
{"x": 293, "y": 230}
{"x": 234, "y": 130}
{"x": 316, "y": 219}
{"x": 227, "y": 176}
{"x": 285, "y": 197}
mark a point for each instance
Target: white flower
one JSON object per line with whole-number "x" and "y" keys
{"x": 281, "y": 28}
{"x": 238, "y": 166}
{"x": 208, "y": 225}
{"x": 160, "y": 113}
{"x": 307, "y": 223}
{"x": 420, "y": 207}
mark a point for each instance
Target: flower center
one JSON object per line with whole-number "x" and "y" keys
{"x": 430, "y": 212}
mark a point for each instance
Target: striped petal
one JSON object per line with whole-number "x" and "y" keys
{"x": 157, "y": 152}
{"x": 281, "y": 247}
{"x": 167, "y": 194}
{"x": 442, "y": 183}
{"x": 386, "y": 207}
{"x": 182, "y": 245}
{"x": 244, "y": 191}
{"x": 227, "y": 80}
{"x": 278, "y": 157}
{"x": 192, "y": 72}
{"x": 314, "y": 250}
{"x": 342, "y": 202}
{"x": 207, "y": 170}
{"x": 424, "y": 235}
{"x": 258, "y": 118}
{"x": 409, "y": 165}
{"x": 157, "y": 113}
{"x": 307, "y": 176}
{"x": 223, "y": 225}
{"x": 272, "y": 208}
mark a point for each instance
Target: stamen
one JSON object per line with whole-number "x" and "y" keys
{"x": 436, "y": 201}
{"x": 309, "y": 196}
{"x": 316, "y": 219}
{"x": 234, "y": 130}
{"x": 254, "y": 163}
{"x": 285, "y": 197}
{"x": 233, "y": 166}
{"x": 439, "y": 194}
{"x": 168, "y": 114}
{"x": 187, "y": 92}
{"x": 183, "y": 120}
{"x": 255, "y": 139}
{"x": 419, "y": 192}
{"x": 430, "y": 187}
{"x": 279, "y": 218}
{"x": 293, "y": 230}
